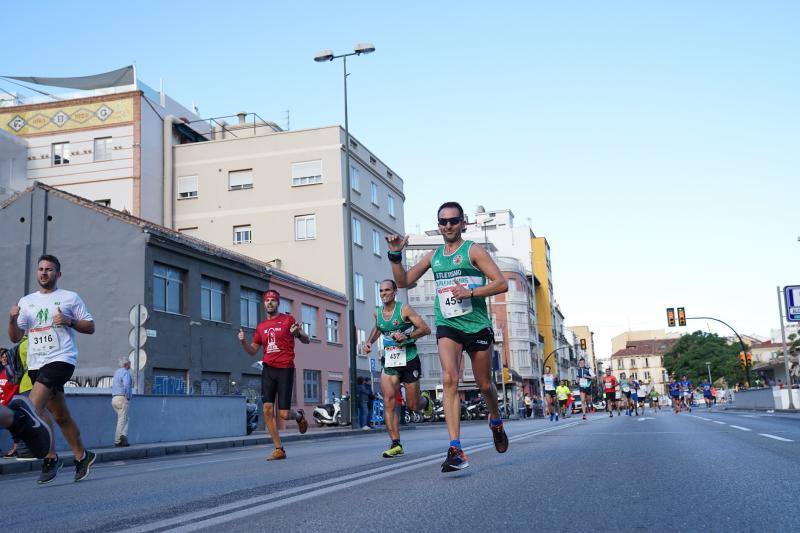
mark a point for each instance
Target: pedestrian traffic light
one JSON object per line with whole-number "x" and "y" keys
{"x": 583, "y": 344}
{"x": 743, "y": 360}
{"x": 681, "y": 316}
{"x": 671, "y": 317}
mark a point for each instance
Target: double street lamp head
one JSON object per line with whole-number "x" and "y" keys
{"x": 359, "y": 49}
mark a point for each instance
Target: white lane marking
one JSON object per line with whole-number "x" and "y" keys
{"x": 645, "y": 418}
{"x": 775, "y": 437}
{"x": 718, "y": 422}
{"x": 704, "y": 418}
{"x": 748, "y": 416}
{"x": 740, "y": 427}
{"x": 261, "y": 504}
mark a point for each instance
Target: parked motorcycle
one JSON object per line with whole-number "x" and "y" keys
{"x": 329, "y": 414}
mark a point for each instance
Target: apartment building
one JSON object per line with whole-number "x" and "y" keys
{"x": 643, "y": 360}
{"x": 585, "y": 336}
{"x": 105, "y": 142}
{"x": 279, "y": 197}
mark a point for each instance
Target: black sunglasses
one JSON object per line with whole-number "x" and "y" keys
{"x": 453, "y": 221}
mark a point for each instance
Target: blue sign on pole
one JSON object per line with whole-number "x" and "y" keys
{"x": 372, "y": 367}
{"x": 495, "y": 360}
{"x": 791, "y": 295}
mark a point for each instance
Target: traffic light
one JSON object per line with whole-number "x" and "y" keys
{"x": 749, "y": 359}
{"x": 671, "y": 317}
{"x": 583, "y": 344}
{"x": 743, "y": 360}
{"x": 681, "y": 316}
{"x": 506, "y": 375}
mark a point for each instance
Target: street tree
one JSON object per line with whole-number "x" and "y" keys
{"x": 691, "y": 353}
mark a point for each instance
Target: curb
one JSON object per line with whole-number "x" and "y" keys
{"x": 160, "y": 449}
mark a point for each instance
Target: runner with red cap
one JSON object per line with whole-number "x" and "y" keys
{"x": 276, "y": 336}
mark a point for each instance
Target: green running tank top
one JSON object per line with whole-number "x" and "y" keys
{"x": 396, "y": 323}
{"x": 469, "y": 315}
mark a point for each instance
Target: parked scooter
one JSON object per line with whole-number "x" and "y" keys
{"x": 477, "y": 409}
{"x": 329, "y": 414}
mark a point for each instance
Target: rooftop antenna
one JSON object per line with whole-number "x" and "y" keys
{"x": 288, "y": 122}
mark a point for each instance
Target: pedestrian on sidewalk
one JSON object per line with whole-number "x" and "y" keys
{"x": 18, "y": 361}
{"x": 371, "y": 403}
{"x": 363, "y": 393}
{"x": 121, "y": 391}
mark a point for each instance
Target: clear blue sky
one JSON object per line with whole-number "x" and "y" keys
{"x": 655, "y": 144}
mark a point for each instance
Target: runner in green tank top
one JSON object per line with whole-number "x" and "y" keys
{"x": 460, "y": 273}
{"x": 399, "y": 327}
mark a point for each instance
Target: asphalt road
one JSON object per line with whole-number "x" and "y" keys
{"x": 664, "y": 472}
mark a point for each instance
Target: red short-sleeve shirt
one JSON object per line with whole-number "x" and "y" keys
{"x": 7, "y": 389}
{"x": 278, "y": 343}
{"x": 609, "y": 383}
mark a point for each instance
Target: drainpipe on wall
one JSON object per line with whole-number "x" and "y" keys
{"x": 168, "y": 173}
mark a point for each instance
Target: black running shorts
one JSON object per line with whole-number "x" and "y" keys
{"x": 277, "y": 382}
{"x": 53, "y": 375}
{"x": 472, "y": 342}
{"x": 550, "y": 393}
{"x": 409, "y": 373}
{"x": 587, "y": 392}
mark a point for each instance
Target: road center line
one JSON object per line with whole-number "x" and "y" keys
{"x": 740, "y": 427}
{"x": 260, "y": 504}
{"x": 775, "y": 437}
{"x": 718, "y": 422}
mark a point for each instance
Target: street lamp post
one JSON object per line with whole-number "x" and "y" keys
{"x": 321, "y": 57}
{"x": 708, "y": 366}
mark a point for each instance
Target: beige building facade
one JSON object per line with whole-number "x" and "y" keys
{"x": 279, "y": 197}
{"x": 643, "y": 360}
{"x": 621, "y": 341}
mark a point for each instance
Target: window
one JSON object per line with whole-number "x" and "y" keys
{"x": 167, "y": 289}
{"x": 242, "y": 234}
{"x": 620, "y": 364}
{"x": 633, "y": 363}
{"x": 376, "y": 243}
{"x": 240, "y": 179}
{"x": 354, "y": 179}
{"x": 249, "y": 301}
{"x": 634, "y": 375}
{"x": 373, "y": 192}
{"x": 390, "y": 205}
{"x": 646, "y": 362}
{"x": 309, "y": 320}
{"x": 361, "y": 339}
{"x": 61, "y": 154}
{"x": 359, "y": 286}
{"x": 306, "y": 173}
{"x": 647, "y": 374}
{"x": 512, "y": 285}
{"x": 102, "y": 149}
{"x": 305, "y": 227}
{"x": 212, "y": 299}
{"x": 285, "y": 306}
{"x": 331, "y": 326}
{"x": 356, "y": 231}
{"x": 378, "y": 293}
{"x": 311, "y": 382}
{"x": 372, "y": 160}
{"x": 187, "y": 187}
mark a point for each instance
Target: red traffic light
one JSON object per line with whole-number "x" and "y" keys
{"x": 671, "y": 317}
{"x": 681, "y": 316}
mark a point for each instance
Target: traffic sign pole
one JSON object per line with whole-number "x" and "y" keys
{"x": 783, "y": 340}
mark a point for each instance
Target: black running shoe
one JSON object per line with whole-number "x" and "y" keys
{"x": 82, "y": 467}
{"x": 50, "y": 468}
{"x": 456, "y": 460}
{"x": 500, "y": 438}
{"x": 29, "y": 428}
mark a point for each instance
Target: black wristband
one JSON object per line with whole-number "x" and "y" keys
{"x": 395, "y": 256}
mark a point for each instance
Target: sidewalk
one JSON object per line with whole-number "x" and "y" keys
{"x": 159, "y": 449}
{"x": 784, "y": 413}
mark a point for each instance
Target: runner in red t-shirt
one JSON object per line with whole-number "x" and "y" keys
{"x": 276, "y": 336}
{"x": 609, "y": 388}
